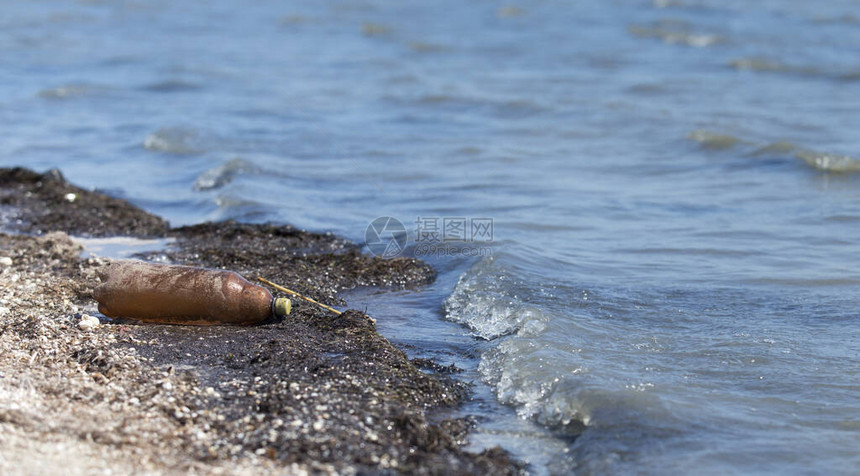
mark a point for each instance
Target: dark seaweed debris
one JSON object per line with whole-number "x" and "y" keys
{"x": 316, "y": 265}
{"x": 39, "y": 203}
{"x": 316, "y": 392}
{"x": 316, "y": 388}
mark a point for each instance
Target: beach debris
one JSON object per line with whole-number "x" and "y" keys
{"x": 172, "y": 294}
{"x": 88, "y": 322}
{"x": 5, "y": 261}
{"x": 294, "y": 293}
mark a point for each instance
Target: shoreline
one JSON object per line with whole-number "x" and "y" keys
{"x": 313, "y": 393}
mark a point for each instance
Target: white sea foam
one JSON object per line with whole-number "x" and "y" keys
{"x": 524, "y": 368}
{"x": 830, "y": 162}
{"x": 482, "y": 302}
{"x": 542, "y": 364}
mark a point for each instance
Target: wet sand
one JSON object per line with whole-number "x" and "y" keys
{"x": 316, "y": 393}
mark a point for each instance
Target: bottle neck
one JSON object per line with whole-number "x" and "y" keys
{"x": 281, "y": 306}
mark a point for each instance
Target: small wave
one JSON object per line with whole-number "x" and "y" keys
{"x": 520, "y": 368}
{"x": 481, "y": 301}
{"x": 543, "y": 367}
{"x": 551, "y": 383}
{"x": 823, "y": 161}
{"x": 174, "y": 140}
{"x": 172, "y": 86}
{"x": 768, "y": 65}
{"x": 675, "y": 32}
{"x": 765, "y": 65}
{"x": 712, "y": 140}
{"x": 756, "y": 64}
{"x": 830, "y": 162}
{"x": 507, "y": 109}
{"x": 846, "y": 18}
{"x": 375, "y": 30}
{"x": 849, "y": 77}
{"x": 223, "y": 174}
{"x": 519, "y": 374}
{"x": 775, "y": 148}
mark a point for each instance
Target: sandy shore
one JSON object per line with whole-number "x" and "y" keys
{"x": 316, "y": 393}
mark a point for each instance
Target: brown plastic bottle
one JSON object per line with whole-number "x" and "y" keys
{"x": 170, "y": 294}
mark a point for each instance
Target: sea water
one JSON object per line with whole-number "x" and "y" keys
{"x": 672, "y": 281}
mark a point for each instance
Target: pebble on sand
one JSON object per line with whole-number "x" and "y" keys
{"x": 88, "y": 322}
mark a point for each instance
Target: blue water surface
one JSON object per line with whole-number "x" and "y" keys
{"x": 673, "y": 280}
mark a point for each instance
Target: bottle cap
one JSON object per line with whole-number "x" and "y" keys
{"x": 281, "y": 306}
